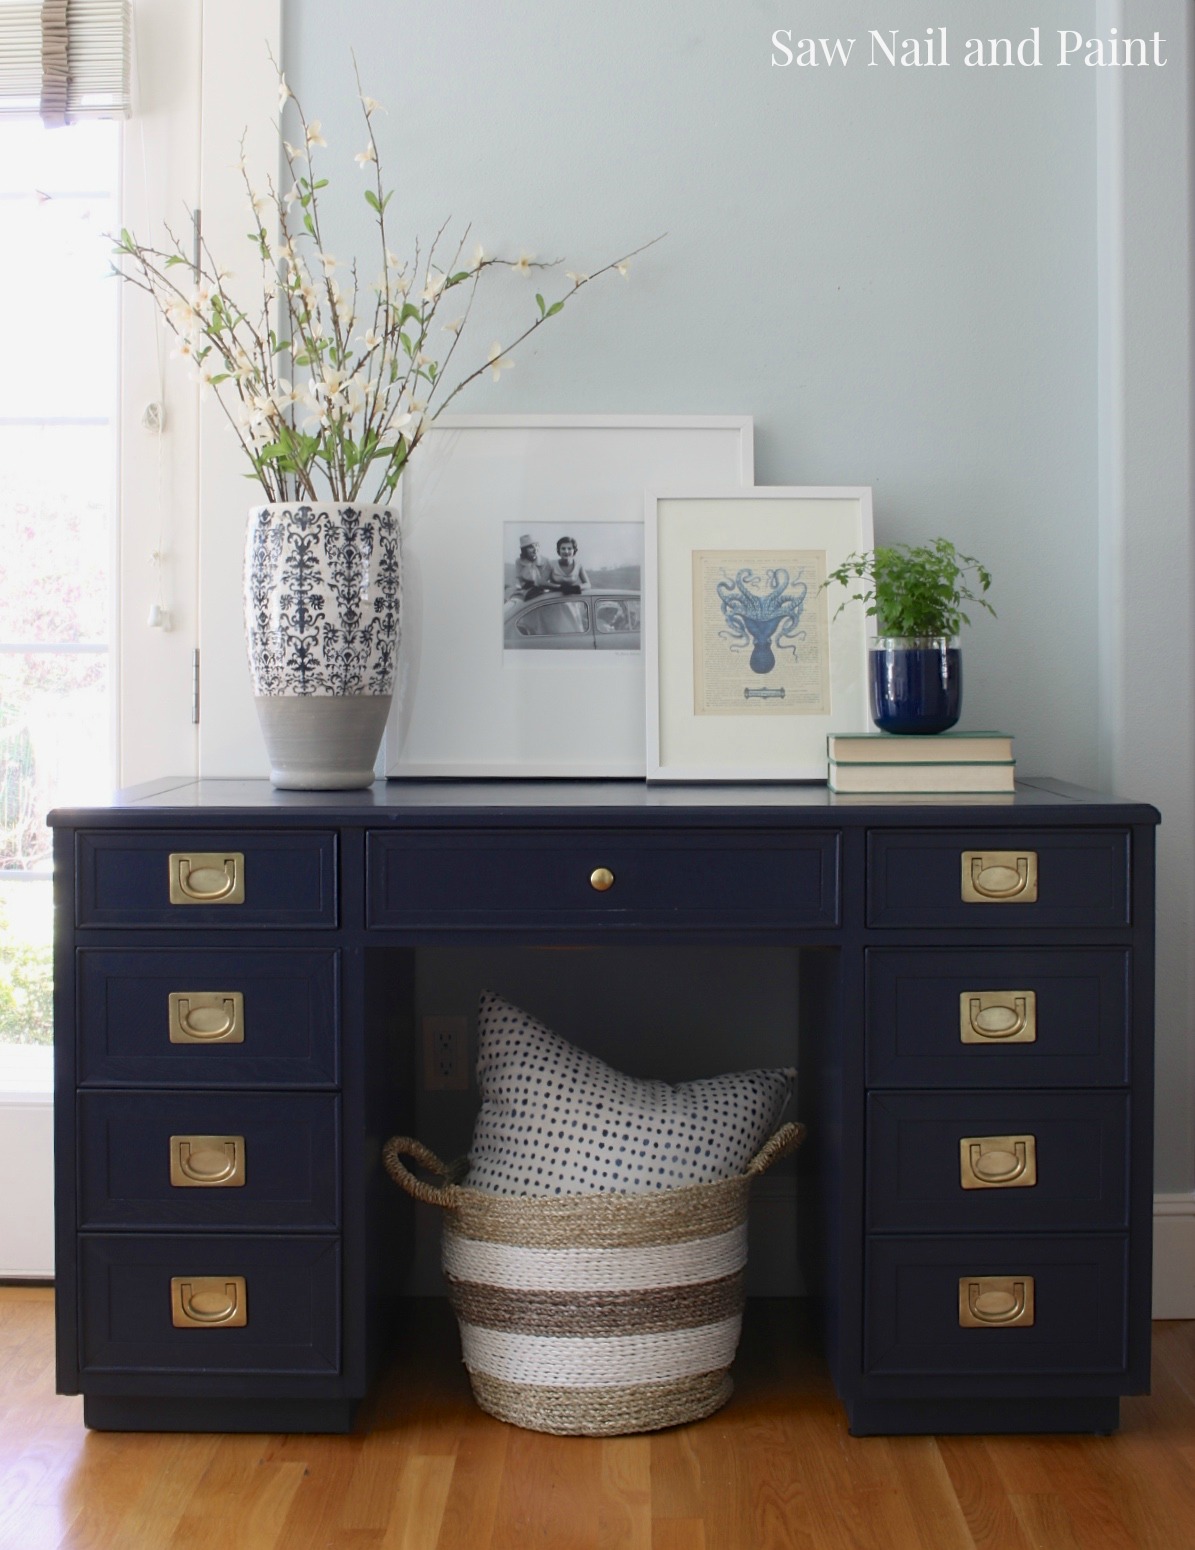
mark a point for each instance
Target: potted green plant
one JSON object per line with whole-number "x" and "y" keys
{"x": 916, "y": 593}
{"x": 329, "y": 371}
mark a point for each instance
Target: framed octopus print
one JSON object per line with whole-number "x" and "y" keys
{"x": 750, "y": 660}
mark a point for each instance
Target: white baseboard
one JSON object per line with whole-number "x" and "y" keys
{"x": 27, "y": 1155}
{"x": 1174, "y": 1257}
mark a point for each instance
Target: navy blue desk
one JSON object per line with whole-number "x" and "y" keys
{"x": 235, "y": 1025}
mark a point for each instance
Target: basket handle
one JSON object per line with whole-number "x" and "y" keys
{"x": 787, "y": 1139}
{"x": 445, "y": 1196}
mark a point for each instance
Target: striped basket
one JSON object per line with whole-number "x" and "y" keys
{"x": 595, "y": 1314}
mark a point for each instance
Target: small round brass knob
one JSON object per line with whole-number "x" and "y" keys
{"x": 601, "y": 878}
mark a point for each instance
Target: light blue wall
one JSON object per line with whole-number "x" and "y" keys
{"x": 893, "y": 270}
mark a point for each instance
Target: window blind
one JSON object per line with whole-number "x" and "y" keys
{"x": 63, "y": 60}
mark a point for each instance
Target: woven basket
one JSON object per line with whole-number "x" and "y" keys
{"x": 595, "y": 1314}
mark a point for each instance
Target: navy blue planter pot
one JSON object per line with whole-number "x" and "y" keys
{"x": 916, "y": 683}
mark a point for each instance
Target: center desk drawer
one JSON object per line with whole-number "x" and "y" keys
{"x": 581, "y": 877}
{"x": 997, "y": 1017}
{"x": 216, "y": 1160}
{"x": 228, "y": 879}
{"x": 980, "y": 880}
{"x": 205, "y": 1019}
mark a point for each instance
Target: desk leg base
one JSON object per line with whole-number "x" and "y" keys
{"x": 960, "y": 1417}
{"x": 115, "y": 1413}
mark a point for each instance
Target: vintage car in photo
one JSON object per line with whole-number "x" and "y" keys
{"x": 601, "y": 619}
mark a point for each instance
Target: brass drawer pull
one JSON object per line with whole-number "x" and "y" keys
{"x": 601, "y": 878}
{"x": 207, "y": 1162}
{"x": 998, "y": 1162}
{"x": 206, "y": 1017}
{"x": 999, "y": 877}
{"x": 990, "y": 1302}
{"x": 208, "y": 1302}
{"x": 207, "y": 877}
{"x": 998, "y": 1017}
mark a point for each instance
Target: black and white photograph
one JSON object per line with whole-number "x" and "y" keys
{"x": 572, "y": 586}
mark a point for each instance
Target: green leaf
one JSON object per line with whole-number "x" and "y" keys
{"x": 372, "y": 200}
{"x": 557, "y": 306}
{"x": 540, "y": 303}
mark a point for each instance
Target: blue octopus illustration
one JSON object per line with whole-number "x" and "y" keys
{"x": 771, "y": 616}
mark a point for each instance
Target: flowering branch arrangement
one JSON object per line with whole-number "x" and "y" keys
{"x": 368, "y": 359}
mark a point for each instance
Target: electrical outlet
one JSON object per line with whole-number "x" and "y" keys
{"x": 445, "y": 1054}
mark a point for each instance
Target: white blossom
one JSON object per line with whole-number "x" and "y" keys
{"x": 363, "y": 158}
{"x": 314, "y": 135}
{"x": 498, "y": 362}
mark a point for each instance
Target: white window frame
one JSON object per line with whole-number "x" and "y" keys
{"x": 197, "y": 91}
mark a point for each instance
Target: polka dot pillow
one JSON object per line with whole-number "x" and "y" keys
{"x": 557, "y": 1121}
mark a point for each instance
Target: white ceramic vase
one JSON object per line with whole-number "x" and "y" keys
{"x": 322, "y": 612}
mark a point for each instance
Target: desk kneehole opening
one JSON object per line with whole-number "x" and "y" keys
{"x": 997, "y": 1017}
{"x": 998, "y": 1162}
{"x": 208, "y": 1302}
{"x": 999, "y": 877}
{"x": 995, "y": 1302}
{"x": 207, "y": 1162}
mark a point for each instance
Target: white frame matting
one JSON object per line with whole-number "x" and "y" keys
{"x": 464, "y": 706}
{"x": 747, "y": 745}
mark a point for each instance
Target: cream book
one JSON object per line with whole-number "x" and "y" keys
{"x": 939, "y": 748}
{"x": 881, "y": 778}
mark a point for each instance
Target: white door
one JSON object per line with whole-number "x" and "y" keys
{"x": 98, "y": 525}
{"x": 58, "y": 472}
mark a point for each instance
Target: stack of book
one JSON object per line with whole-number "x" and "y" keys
{"x": 948, "y": 762}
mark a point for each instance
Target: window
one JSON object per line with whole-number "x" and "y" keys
{"x": 58, "y": 318}
{"x": 555, "y": 619}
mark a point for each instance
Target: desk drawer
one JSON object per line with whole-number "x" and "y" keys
{"x": 918, "y": 878}
{"x": 283, "y": 881}
{"x": 504, "y": 880}
{"x": 283, "y": 1031}
{"x": 286, "y": 1290}
{"x": 215, "y": 1160}
{"x": 1003, "y": 1162}
{"x": 934, "y": 1019}
{"x": 914, "y": 1307}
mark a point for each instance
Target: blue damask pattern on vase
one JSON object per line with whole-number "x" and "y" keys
{"x": 763, "y": 618}
{"x": 322, "y": 600}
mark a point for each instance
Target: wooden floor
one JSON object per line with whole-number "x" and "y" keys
{"x": 426, "y": 1469}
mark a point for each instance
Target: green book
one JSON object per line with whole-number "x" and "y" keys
{"x": 937, "y": 748}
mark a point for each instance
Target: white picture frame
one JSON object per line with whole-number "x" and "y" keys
{"x": 749, "y": 662}
{"x": 466, "y": 703}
